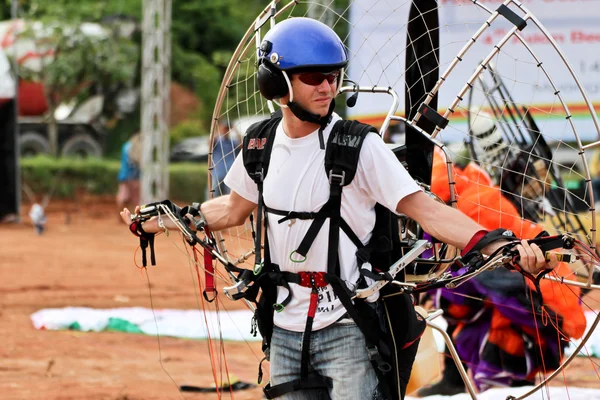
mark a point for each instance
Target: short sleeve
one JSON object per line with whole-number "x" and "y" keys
{"x": 238, "y": 180}
{"x": 381, "y": 175}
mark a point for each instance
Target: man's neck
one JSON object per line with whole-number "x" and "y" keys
{"x": 294, "y": 127}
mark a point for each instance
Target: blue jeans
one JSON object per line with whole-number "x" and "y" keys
{"x": 338, "y": 352}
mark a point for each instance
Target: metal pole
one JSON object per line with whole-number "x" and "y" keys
{"x": 156, "y": 82}
{"x": 14, "y": 14}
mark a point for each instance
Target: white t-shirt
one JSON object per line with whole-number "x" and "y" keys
{"x": 297, "y": 181}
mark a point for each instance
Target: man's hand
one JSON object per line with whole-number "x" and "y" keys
{"x": 531, "y": 257}
{"x": 150, "y": 226}
{"x": 533, "y": 260}
{"x": 126, "y": 215}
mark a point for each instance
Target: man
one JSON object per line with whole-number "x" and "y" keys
{"x": 224, "y": 151}
{"x": 301, "y": 68}
{"x": 129, "y": 172}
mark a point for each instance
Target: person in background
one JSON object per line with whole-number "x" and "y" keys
{"x": 495, "y": 318}
{"x": 129, "y": 172}
{"x": 224, "y": 149}
{"x": 38, "y": 218}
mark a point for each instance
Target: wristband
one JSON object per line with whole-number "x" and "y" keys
{"x": 473, "y": 241}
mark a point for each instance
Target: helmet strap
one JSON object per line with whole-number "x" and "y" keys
{"x": 304, "y": 115}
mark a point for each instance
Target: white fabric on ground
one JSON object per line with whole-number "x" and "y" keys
{"x": 234, "y": 325}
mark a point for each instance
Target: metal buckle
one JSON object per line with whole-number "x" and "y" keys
{"x": 260, "y": 174}
{"x": 341, "y": 178}
{"x": 372, "y": 352}
{"x": 232, "y": 291}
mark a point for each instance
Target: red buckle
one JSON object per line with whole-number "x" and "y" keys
{"x": 133, "y": 228}
{"x": 312, "y": 279}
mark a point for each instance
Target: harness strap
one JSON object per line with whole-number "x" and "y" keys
{"x": 145, "y": 240}
{"x": 314, "y": 381}
{"x": 336, "y": 182}
{"x": 312, "y": 310}
{"x": 319, "y": 218}
{"x": 310, "y": 236}
{"x": 283, "y": 278}
{"x": 312, "y": 280}
{"x": 374, "y": 345}
{"x": 209, "y": 273}
{"x": 383, "y": 276}
{"x": 288, "y": 215}
{"x": 259, "y": 217}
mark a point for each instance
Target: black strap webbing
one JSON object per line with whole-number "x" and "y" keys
{"x": 510, "y": 15}
{"x": 335, "y": 201}
{"x": 314, "y": 381}
{"x": 433, "y": 116}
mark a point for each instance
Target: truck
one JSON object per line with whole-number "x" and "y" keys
{"x": 80, "y": 127}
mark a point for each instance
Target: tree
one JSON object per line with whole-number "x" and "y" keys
{"x": 204, "y": 34}
{"x": 79, "y": 56}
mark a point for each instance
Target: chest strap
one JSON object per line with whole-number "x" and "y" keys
{"x": 319, "y": 218}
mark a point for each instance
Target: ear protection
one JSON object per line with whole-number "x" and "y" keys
{"x": 270, "y": 80}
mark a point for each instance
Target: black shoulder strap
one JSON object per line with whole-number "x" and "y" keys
{"x": 256, "y": 152}
{"x": 341, "y": 162}
{"x": 257, "y": 146}
{"x": 343, "y": 150}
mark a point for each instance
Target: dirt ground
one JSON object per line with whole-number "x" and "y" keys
{"x": 86, "y": 259}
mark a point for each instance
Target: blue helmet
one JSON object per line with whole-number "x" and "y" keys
{"x": 303, "y": 43}
{"x": 293, "y": 45}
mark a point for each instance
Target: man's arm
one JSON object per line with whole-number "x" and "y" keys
{"x": 221, "y": 213}
{"x": 455, "y": 228}
{"x": 226, "y": 211}
{"x": 445, "y": 223}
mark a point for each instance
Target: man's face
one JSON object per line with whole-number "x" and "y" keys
{"x": 314, "y": 91}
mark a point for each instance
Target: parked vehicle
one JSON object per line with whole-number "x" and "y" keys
{"x": 196, "y": 148}
{"x": 193, "y": 149}
{"x": 80, "y": 127}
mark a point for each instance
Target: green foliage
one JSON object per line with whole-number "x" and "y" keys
{"x": 188, "y": 182}
{"x": 84, "y": 10}
{"x": 65, "y": 177}
{"x": 196, "y": 71}
{"x": 205, "y": 33}
{"x": 83, "y": 58}
{"x": 80, "y": 58}
{"x": 122, "y": 130}
{"x": 187, "y": 129}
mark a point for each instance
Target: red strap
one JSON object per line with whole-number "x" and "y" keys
{"x": 209, "y": 270}
{"x": 133, "y": 228}
{"x": 474, "y": 240}
{"x": 314, "y": 299}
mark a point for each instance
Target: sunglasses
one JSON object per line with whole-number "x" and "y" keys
{"x": 316, "y": 78}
